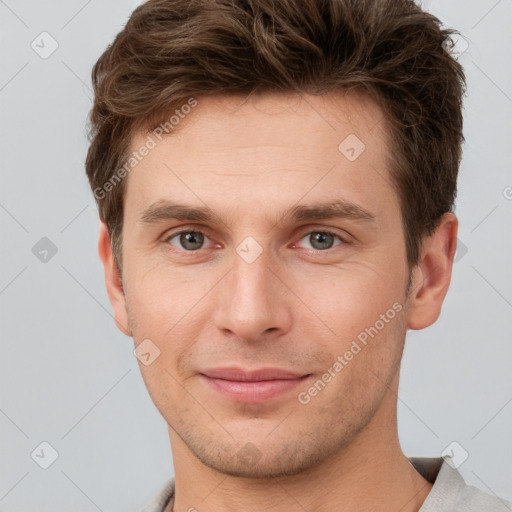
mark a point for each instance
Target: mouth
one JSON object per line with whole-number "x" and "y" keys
{"x": 252, "y": 386}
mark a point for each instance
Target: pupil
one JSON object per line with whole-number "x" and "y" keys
{"x": 191, "y": 240}
{"x": 324, "y": 240}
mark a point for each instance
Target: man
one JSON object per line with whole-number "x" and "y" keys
{"x": 276, "y": 183}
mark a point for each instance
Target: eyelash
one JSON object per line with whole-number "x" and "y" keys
{"x": 343, "y": 241}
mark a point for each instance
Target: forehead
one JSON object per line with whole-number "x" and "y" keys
{"x": 272, "y": 148}
{"x": 345, "y": 110}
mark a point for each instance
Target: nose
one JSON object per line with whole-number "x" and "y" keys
{"x": 252, "y": 302}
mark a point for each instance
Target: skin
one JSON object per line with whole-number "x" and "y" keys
{"x": 294, "y": 307}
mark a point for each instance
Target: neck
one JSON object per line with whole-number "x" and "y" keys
{"x": 370, "y": 473}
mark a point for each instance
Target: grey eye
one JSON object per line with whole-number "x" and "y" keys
{"x": 321, "y": 240}
{"x": 189, "y": 240}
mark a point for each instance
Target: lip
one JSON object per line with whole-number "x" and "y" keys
{"x": 253, "y": 386}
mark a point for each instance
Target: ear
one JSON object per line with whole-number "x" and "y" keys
{"x": 431, "y": 277}
{"x": 113, "y": 281}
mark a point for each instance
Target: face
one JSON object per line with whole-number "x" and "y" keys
{"x": 264, "y": 258}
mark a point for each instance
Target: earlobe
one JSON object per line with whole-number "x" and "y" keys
{"x": 431, "y": 277}
{"x": 113, "y": 281}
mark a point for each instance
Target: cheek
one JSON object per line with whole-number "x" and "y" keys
{"x": 160, "y": 297}
{"x": 352, "y": 299}
{"x": 368, "y": 350}
{"x": 364, "y": 312}
{"x": 167, "y": 307}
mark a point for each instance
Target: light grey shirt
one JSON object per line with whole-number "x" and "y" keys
{"x": 449, "y": 492}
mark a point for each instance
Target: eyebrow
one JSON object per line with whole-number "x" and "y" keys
{"x": 165, "y": 210}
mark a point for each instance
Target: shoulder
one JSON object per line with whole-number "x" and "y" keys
{"x": 472, "y": 499}
{"x": 450, "y": 493}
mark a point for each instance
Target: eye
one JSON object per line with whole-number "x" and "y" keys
{"x": 193, "y": 241}
{"x": 321, "y": 240}
{"x": 189, "y": 240}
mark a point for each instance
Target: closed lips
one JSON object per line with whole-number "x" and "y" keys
{"x": 258, "y": 375}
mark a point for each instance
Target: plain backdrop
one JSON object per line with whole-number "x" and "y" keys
{"x": 69, "y": 378}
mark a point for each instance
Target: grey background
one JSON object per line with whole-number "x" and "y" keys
{"x": 69, "y": 377}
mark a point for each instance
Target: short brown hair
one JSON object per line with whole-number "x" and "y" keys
{"x": 173, "y": 50}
